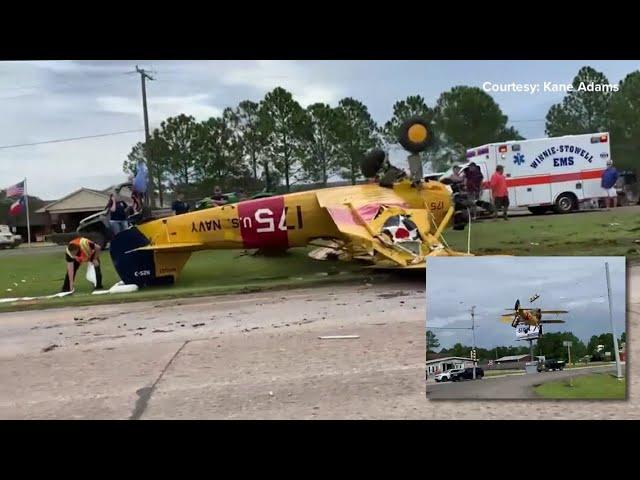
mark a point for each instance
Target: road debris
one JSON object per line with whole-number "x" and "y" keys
{"x": 158, "y": 330}
{"x": 338, "y": 337}
{"x": 196, "y": 325}
{"x": 50, "y": 347}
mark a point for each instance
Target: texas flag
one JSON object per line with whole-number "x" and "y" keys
{"x": 16, "y": 207}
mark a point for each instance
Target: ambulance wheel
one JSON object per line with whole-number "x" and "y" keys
{"x": 415, "y": 135}
{"x": 565, "y": 203}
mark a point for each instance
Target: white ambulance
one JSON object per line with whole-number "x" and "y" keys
{"x": 547, "y": 173}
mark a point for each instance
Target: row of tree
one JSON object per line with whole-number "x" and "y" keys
{"x": 274, "y": 142}
{"x": 618, "y": 112}
{"x": 277, "y": 141}
{"x": 550, "y": 345}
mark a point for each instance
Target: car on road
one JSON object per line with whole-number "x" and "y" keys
{"x": 551, "y": 365}
{"x": 8, "y": 239}
{"x": 446, "y": 376}
{"x": 467, "y": 374}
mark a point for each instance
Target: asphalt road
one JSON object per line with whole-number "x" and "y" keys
{"x": 254, "y": 356}
{"x": 513, "y": 387}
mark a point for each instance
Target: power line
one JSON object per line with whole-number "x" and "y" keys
{"x": 70, "y": 139}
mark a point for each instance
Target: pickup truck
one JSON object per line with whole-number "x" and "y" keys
{"x": 551, "y": 365}
{"x": 8, "y": 239}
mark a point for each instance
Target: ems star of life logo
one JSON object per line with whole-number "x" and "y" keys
{"x": 518, "y": 159}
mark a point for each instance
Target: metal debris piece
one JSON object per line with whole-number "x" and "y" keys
{"x": 50, "y": 347}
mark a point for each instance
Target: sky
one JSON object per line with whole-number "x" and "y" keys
{"x": 49, "y": 100}
{"x": 492, "y": 284}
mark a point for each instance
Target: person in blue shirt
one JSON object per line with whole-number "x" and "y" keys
{"x": 179, "y": 206}
{"x": 117, "y": 209}
{"x": 608, "y": 183}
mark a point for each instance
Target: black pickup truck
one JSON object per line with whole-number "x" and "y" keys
{"x": 551, "y": 364}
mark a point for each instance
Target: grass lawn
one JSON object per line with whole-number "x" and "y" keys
{"x": 207, "y": 272}
{"x": 596, "y": 386}
{"x": 585, "y": 233}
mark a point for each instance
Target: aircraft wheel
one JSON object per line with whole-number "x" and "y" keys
{"x": 372, "y": 163}
{"x": 415, "y": 135}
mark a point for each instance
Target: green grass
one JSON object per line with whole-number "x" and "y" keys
{"x": 206, "y": 273}
{"x": 585, "y": 233}
{"x": 592, "y": 387}
{"x": 224, "y": 271}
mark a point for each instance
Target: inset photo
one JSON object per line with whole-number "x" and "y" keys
{"x": 526, "y": 328}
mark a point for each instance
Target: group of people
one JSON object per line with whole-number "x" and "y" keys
{"x": 120, "y": 211}
{"x": 180, "y": 206}
{"x": 471, "y": 181}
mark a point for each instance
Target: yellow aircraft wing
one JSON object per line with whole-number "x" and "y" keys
{"x": 506, "y": 318}
{"x": 167, "y": 247}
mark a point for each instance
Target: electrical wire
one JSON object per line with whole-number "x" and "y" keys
{"x": 60, "y": 140}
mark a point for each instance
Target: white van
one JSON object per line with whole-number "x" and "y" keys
{"x": 546, "y": 173}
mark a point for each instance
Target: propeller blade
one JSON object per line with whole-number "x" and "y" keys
{"x": 552, "y": 321}
{"x": 506, "y": 318}
{"x": 554, "y": 311}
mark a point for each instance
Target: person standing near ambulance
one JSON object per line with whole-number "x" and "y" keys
{"x": 81, "y": 250}
{"x": 473, "y": 181}
{"x": 608, "y": 182}
{"x": 499, "y": 192}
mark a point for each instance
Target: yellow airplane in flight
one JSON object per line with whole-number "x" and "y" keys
{"x": 529, "y": 316}
{"x": 396, "y": 222}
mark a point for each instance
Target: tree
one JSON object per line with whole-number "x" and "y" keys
{"x": 246, "y": 122}
{"x": 175, "y": 141}
{"x": 605, "y": 339}
{"x": 581, "y": 110}
{"x": 551, "y": 345}
{"x": 217, "y": 150}
{"x": 285, "y": 126}
{"x": 357, "y": 134}
{"x": 624, "y": 116}
{"x": 322, "y": 144}
{"x": 468, "y": 117}
{"x": 432, "y": 341}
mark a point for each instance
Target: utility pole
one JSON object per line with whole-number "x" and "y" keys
{"x": 613, "y": 329}
{"x": 144, "y": 75}
{"x": 473, "y": 331}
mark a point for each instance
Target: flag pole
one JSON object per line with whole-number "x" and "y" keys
{"x": 26, "y": 200}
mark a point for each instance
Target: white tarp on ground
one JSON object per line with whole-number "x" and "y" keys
{"x": 117, "y": 288}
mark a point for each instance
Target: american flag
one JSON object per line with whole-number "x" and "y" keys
{"x": 16, "y": 190}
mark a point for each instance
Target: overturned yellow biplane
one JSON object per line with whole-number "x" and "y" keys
{"x": 396, "y": 222}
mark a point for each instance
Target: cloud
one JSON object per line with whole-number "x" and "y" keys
{"x": 266, "y": 75}
{"x": 162, "y": 107}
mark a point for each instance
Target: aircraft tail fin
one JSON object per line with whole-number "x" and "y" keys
{"x": 137, "y": 262}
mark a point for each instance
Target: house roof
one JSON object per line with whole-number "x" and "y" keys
{"x": 81, "y": 200}
{"x": 442, "y": 359}
{"x": 511, "y": 358}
